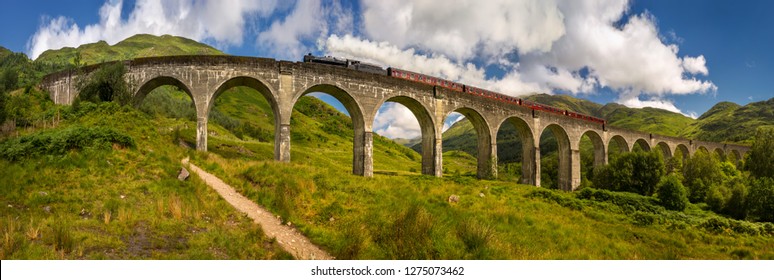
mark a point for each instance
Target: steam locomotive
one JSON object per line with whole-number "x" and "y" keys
{"x": 435, "y": 81}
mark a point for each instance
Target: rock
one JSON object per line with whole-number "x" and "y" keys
{"x": 454, "y": 198}
{"x": 289, "y": 224}
{"x": 85, "y": 214}
{"x": 123, "y": 196}
{"x": 183, "y": 174}
{"x": 331, "y": 219}
{"x": 480, "y": 194}
{"x": 43, "y": 193}
{"x": 47, "y": 208}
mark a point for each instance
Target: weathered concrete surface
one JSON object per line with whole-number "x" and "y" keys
{"x": 282, "y": 83}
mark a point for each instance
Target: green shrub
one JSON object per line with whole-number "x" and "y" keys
{"x": 715, "y": 225}
{"x": 701, "y": 172}
{"x": 105, "y": 84}
{"x": 760, "y": 200}
{"x": 643, "y": 219}
{"x": 559, "y": 198}
{"x": 629, "y": 202}
{"x": 636, "y": 172}
{"x": 671, "y": 193}
{"x": 760, "y": 160}
{"x": 59, "y": 142}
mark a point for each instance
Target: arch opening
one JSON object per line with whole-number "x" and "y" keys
{"x": 592, "y": 154}
{"x": 734, "y": 156}
{"x": 244, "y": 115}
{"x": 616, "y": 146}
{"x": 458, "y": 147}
{"x": 663, "y": 147}
{"x": 641, "y": 145}
{"x": 405, "y": 119}
{"x": 682, "y": 151}
{"x": 516, "y": 151}
{"x": 170, "y": 83}
{"x": 555, "y": 158}
{"x": 167, "y": 97}
{"x": 720, "y": 154}
{"x": 320, "y": 129}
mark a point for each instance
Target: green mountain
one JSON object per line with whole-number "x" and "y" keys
{"x": 142, "y": 45}
{"x": 729, "y": 122}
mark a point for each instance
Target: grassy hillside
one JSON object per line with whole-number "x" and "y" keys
{"x": 102, "y": 184}
{"x": 729, "y": 122}
{"x": 648, "y": 119}
{"x": 142, "y": 45}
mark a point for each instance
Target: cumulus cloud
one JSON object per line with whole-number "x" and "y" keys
{"x": 387, "y": 54}
{"x": 695, "y": 65}
{"x": 467, "y": 27}
{"x": 284, "y": 38}
{"x": 396, "y": 121}
{"x": 222, "y": 22}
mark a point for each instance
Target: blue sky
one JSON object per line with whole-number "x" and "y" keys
{"x": 682, "y": 56}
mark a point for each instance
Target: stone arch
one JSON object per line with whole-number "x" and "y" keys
{"x": 665, "y": 150}
{"x": 565, "y": 180}
{"x": 254, "y": 83}
{"x": 259, "y": 86}
{"x": 431, "y": 146}
{"x": 600, "y": 153}
{"x": 735, "y": 154}
{"x": 702, "y": 148}
{"x": 720, "y": 153}
{"x": 157, "y": 82}
{"x": 529, "y": 171}
{"x": 620, "y": 143}
{"x": 642, "y": 143}
{"x": 362, "y": 162}
{"x": 683, "y": 149}
{"x": 485, "y": 155}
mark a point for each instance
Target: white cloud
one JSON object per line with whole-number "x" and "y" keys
{"x": 635, "y": 102}
{"x": 396, "y": 121}
{"x": 695, "y": 65}
{"x": 465, "y": 28}
{"x": 384, "y": 53}
{"x": 284, "y": 37}
{"x": 220, "y": 21}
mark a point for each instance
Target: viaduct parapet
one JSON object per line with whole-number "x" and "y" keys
{"x": 282, "y": 83}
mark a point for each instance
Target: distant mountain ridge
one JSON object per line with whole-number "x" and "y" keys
{"x": 141, "y": 45}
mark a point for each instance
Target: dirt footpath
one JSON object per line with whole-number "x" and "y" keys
{"x": 289, "y": 238}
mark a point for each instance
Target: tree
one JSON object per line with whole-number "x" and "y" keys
{"x": 672, "y": 194}
{"x": 636, "y": 172}
{"x": 9, "y": 80}
{"x": 105, "y": 84}
{"x": 736, "y": 207}
{"x": 700, "y": 173}
{"x": 761, "y": 159}
{"x": 760, "y": 200}
{"x": 2, "y": 107}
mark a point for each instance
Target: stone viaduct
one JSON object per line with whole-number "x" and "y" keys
{"x": 282, "y": 83}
